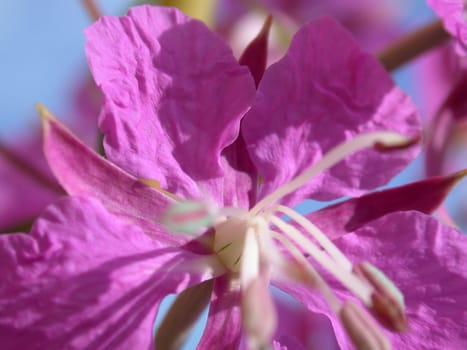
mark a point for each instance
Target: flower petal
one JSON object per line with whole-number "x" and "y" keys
{"x": 84, "y": 279}
{"x": 317, "y": 97}
{"x": 453, "y": 15}
{"x": 241, "y": 177}
{"x": 299, "y": 328}
{"x": 82, "y": 172}
{"x": 427, "y": 263}
{"x": 452, "y": 112}
{"x": 224, "y": 318}
{"x": 347, "y": 216}
{"x": 174, "y": 97}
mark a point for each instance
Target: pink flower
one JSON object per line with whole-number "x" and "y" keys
{"x": 453, "y": 13}
{"x": 444, "y": 82}
{"x": 182, "y": 115}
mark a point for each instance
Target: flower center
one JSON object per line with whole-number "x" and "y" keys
{"x": 256, "y": 242}
{"x": 229, "y": 240}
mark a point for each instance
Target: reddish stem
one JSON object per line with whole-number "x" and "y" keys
{"x": 412, "y": 45}
{"x": 92, "y": 9}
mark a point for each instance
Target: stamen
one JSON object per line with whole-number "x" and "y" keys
{"x": 384, "y": 140}
{"x": 352, "y": 283}
{"x": 259, "y": 317}
{"x": 362, "y": 330}
{"x": 311, "y": 277}
{"x": 322, "y": 239}
{"x": 387, "y": 299}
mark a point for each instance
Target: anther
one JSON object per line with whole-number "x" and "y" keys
{"x": 362, "y": 330}
{"x": 387, "y": 301}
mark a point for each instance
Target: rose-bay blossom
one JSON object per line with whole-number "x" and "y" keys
{"x": 226, "y": 161}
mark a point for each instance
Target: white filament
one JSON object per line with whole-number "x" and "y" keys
{"x": 330, "y": 159}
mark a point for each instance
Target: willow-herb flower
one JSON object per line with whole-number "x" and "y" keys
{"x": 226, "y": 162}
{"x": 453, "y": 13}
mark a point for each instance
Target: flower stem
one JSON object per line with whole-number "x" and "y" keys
{"x": 92, "y": 9}
{"x": 412, "y": 45}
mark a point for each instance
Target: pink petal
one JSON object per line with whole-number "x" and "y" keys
{"x": 316, "y": 98}
{"x": 84, "y": 279}
{"x": 240, "y": 175}
{"x": 299, "y": 328}
{"x": 174, "y": 97}
{"x": 424, "y": 196}
{"x": 427, "y": 263}
{"x": 436, "y": 70}
{"x": 453, "y": 15}
{"x": 83, "y": 172}
{"x": 224, "y": 318}
{"x": 440, "y": 133}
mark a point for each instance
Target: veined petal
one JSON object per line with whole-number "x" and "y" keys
{"x": 82, "y": 172}
{"x": 347, "y": 216}
{"x": 84, "y": 279}
{"x": 174, "y": 97}
{"x": 426, "y": 261}
{"x": 314, "y": 99}
{"x": 224, "y": 319}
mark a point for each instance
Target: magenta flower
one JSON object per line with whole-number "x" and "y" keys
{"x": 453, "y": 13}
{"x": 228, "y": 160}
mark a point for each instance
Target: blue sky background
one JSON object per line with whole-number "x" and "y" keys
{"x": 42, "y": 59}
